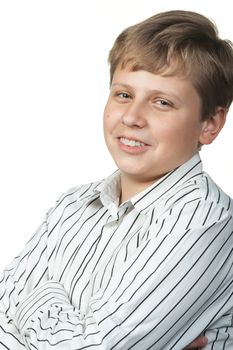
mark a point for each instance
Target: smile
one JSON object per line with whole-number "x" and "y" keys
{"x": 131, "y": 143}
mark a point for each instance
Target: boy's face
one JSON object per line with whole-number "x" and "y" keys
{"x": 152, "y": 124}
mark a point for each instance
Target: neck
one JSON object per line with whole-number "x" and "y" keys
{"x": 130, "y": 186}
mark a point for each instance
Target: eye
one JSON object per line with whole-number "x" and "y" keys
{"x": 123, "y": 95}
{"x": 162, "y": 103}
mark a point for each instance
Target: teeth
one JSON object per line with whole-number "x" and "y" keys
{"x": 131, "y": 143}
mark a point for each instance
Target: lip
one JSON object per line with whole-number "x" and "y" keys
{"x": 132, "y": 149}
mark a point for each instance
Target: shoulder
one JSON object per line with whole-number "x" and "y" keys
{"x": 199, "y": 202}
{"x": 75, "y": 197}
{"x": 211, "y": 192}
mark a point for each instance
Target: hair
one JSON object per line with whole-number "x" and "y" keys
{"x": 180, "y": 43}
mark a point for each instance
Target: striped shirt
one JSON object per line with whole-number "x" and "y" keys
{"x": 152, "y": 273}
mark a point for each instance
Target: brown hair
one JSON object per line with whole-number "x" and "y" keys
{"x": 180, "y": 42}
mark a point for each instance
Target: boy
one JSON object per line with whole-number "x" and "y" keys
{"x": 143, "y": 259}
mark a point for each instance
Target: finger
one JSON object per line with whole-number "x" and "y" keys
{"x": 199, "y": 342}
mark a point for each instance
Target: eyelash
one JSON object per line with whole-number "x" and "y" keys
{"x": 123, "y": 95}
{"x": 162, "y": 102}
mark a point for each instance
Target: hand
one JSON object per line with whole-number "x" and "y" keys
{"x": 199, "y": 342}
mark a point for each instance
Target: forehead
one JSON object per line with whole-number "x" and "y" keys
{"x": 146, "y": 81}
{"x": 176, "y": 67}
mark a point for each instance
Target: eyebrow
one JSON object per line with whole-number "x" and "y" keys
{"x": 156, "y": 91}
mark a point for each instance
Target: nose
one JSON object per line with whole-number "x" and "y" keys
{"x": 134, "y": 115}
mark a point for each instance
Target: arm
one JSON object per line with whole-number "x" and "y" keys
{"x": 163, "y": 296}
{"x": 25, "y": 273}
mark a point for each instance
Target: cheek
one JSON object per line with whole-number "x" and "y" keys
{"x": 173, "y": 133}
{"x": 112, "y": 117}
{"x": 164, "y": 130}
{"x": 107, "y": 112}
{"x": 114, "y": 110}
{"x": 108, "y": 125}
{"x": 107, "y": 122}
{"x": 184, "y": 136}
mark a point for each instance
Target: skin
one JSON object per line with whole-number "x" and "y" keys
{"x": 163, "y": 114}
{"x": 200, "y": 342}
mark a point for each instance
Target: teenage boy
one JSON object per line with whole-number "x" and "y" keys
{"x": 143, "y": 259}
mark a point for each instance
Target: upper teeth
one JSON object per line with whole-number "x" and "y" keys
{"x": 132, "y": 143}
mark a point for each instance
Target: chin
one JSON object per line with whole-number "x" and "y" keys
{"x": 128, "y": 168}
{"x": 134, "y": 173}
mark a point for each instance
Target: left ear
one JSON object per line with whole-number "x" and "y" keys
{"x": 212, "y": 126}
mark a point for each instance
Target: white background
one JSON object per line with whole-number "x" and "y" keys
{"x": 53, "y": 86}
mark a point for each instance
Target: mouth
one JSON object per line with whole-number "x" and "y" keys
{"x": 132, "y": 146}
{"x": 131, "y": 142}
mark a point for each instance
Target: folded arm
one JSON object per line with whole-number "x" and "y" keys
{"x": 162, "y": 296}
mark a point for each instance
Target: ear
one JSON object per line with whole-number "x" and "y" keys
{"x": 212, "y": 126}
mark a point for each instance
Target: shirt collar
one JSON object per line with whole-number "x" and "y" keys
{"x": 145, "y": 199}
{"x": 109, "y": 192}
{"x": 110, "y": 188}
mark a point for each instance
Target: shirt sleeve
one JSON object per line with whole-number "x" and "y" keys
{"x": 27, "y": 272}
{"x": 175, "y": 285}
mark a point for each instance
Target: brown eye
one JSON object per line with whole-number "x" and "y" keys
{"x": 161, "y": 103}
{"x": 164, "y": 103}
{"x": 123, "y": 95}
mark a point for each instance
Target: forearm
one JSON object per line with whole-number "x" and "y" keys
{"x": 47, "y": 318}
{"x": 142, "y": 305}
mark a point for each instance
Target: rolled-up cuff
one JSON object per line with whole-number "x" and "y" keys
{"x": 39, "y": 301}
